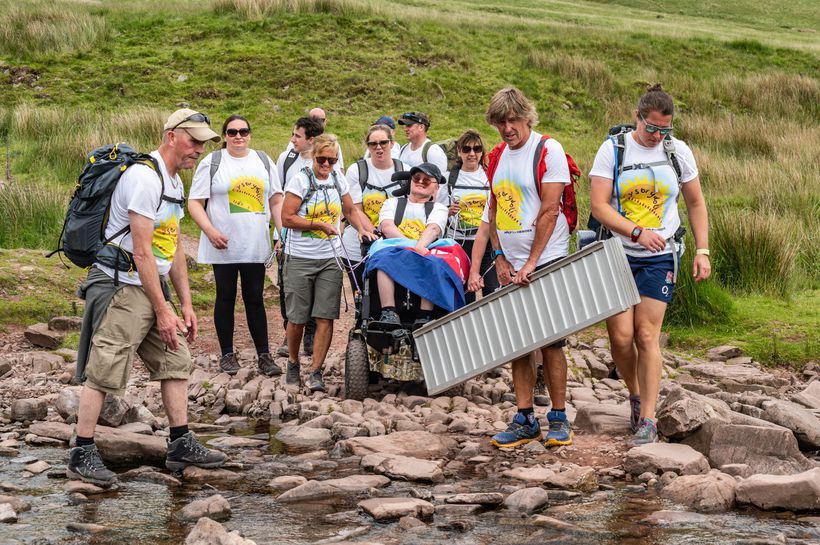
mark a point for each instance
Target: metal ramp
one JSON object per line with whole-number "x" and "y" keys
{"x": 562, "y": 299}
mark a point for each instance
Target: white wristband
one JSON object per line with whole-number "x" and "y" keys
{"x": 702, "y": 251}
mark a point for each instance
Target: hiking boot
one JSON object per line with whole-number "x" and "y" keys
{"x": 647, "y": 433}
{"x": 634, "y": 413}
{"x": 316, "y": 382}
{"x": 84, "y": 463}
{"x": 560, "y": 432}
{"x": 521, "y": 431}
{"x": 293, "y": 376}
{"x": 420, "y": 322}
{"x": 187, "y": 451}
{"x": 228, "y": 363}
{"x": 390, "y": 317}
{"x": 307, "y": 345}
{"x": 282, "y": 351}
{"x": 267, "y": 366}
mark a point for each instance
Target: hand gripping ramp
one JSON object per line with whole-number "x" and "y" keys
{"x": 562, "y": 299}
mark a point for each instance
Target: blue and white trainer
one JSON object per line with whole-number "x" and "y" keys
{"x": 647, "y": 433}
{"x": 560, "y": 432}
{"x": 521, "y": 431}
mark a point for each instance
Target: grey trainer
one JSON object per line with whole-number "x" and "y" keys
{"x": 316, "y": 382}
{"x": 229, "y": 364}
{"x": 187, "y": 451}
{"x": 84, "y": 463}
{"x": 293, "y": 376}
{"x": 267, "y": 366}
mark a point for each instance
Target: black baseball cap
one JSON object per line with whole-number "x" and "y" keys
{"x": 411, "y": 118}
{"x": 429, "y": 169}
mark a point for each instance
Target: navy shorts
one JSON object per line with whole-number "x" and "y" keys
{"x": 654, "y": 276}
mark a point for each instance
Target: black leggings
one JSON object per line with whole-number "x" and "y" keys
{"x": 253, "y": 281}
{"x": 491, "y": 279}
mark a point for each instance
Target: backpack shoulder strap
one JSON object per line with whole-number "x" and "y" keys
{"x": 400, "y": 208}
{"x": 452, "y": 178}
{"x": 216, "y": 158}
{"x": 538, "y": 165}
{"x": 672, "y": 156}
{"x": 619, "y": 143}
{"x": 398, "y": 166}
{"x": 290, "y": 158}
{"x": 424, "y": 149}
{"x": 428, "y": 209}
{"x": 492, "y": 160}
{"x": 363, "y": 172}
{"x": 262, "y": 157}
{"x": 312, "y": 186}
{"x": 402, "y": 148}
{"x": 336, "y": 184}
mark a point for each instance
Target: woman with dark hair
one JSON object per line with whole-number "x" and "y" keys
{"x": 241, "y": 189}
{"x": 637, "y": 179}
{"x": 465, "y": 195}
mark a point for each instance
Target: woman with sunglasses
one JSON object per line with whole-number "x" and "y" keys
{"x": 636, "y": 199}
{"x": 242, "y": 191}
{"x": 315, "y": 199}
{"x": 370, "y": 185}
{"x": 465, "y": 195}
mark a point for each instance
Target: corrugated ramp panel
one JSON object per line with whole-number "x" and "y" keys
{"x": 562, "y": 299}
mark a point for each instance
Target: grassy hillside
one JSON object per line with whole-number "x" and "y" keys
{"x": 81, "y": 73}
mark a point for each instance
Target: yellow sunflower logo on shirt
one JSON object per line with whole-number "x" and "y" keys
{"x": 372, "y": 204}
{"x": 412, "y": 228}
{"x": 509, "y": 199}
{"x": 470, "y": 210}
{"x": 641, "y": 204}
{"x": 166, "y": 234}
{"x": 322, "y": 213}
{"x": 246, "y": 194}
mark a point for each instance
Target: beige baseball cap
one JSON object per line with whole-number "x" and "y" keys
{"x": 197, "y": 124}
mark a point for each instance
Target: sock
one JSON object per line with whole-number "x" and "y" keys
{"x": 178, "y": 431}
{"x": 635, "y": 397}
{"x": 426, "y": 314}
{"x": 558, "y": 410}
{"x": 227, "y": 350}
{"x": 528, "y": 413}
{"x": 84, "y": 441}
{"x": 262, "y": 350}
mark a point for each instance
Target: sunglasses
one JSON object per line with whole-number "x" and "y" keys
{"x": 197, "y": 118}
{"x": 241, "y": 132}
{"x": 478, "y": 148}
{"x": 652, "y": 129}
{"x": 322, "y": 160}
{"x": 379, "y": 143}
{"x": 422, "y": 181}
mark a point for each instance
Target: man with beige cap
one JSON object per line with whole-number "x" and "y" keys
{"x": 143, "y": 228}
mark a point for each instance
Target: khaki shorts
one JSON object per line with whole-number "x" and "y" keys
{"x": 129, "y": 326}
{"x": 312, "y": 283}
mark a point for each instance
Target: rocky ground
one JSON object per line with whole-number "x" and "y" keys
{"x": 403, "y": 468}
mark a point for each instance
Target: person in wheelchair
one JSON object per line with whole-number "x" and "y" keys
{"x": 414, "y": 223}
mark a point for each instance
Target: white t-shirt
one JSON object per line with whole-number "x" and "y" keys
{"x": 372, "y": 199}
{"x": 238, "y": 206}
{"x": 518, "y": 201}
{"x": 413, "y": 158}
{"x": 325, "y": 206}
{"x": 139, "y": 190}
{"x": 648, "y": 196}
{"x": 472, "y": 189}
{"x": 413, "y": 223}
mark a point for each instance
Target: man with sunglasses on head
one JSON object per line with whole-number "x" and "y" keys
{"x": 419, "y": 148}
{"x": 131, "y": 304}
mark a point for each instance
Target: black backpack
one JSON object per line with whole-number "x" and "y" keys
{"x": 83, "y": 234}
{"x": 361, "y": 164}
{"x": 401, "y": 206}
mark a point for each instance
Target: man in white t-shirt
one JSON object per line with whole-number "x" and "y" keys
{"x": 420, "y": 149}
{"x": 143, "y": 228}
{"x": 415, "y": 223}
{"x": 319, "y": 116}
{"x": 528, "y": 231}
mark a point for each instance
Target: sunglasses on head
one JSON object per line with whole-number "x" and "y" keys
{"x": 478, "y": 148}
{"x": 197, "y": 118}
{"x": 652, "y": 129}
{"x": 322, "y": 160}
{"x": 377, "y": 143}
{"x": 241, "y": 132}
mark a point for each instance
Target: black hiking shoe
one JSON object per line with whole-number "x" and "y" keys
{"x": 267, "y": 366}
{"x": 389, "y": 317}
{"x": 293, "y": 376}
{"x": 187, "y": 451}
{"x": 85, "y": 464}
{"x": 316, "y": 383}
{"x": 229, "y": 364}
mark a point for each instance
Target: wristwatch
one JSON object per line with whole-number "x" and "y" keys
{"x": 497, "y": 253}
{"x": 636, "y": 232}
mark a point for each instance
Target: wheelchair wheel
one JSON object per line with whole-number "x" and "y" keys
{"x": 453, "y": 392}
{"x": 357, "y": 369}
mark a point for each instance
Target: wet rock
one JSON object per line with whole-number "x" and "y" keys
{"x": 37, "y": 467}
{"x": 723, "y": 353}
{"x": 584, "y": 479}
{"x": 406, "y": 523}
{"x": 358, "y": 483}
{"x": 532, "y": 475}
{"x": 605, "y": 419}
{"x": 29, "y": 410}
{"x": 313, "y": 492}
{"x": 233, "y": 441}
{"x": 147, "y": 474}
{"x": 40, "y": 335}
{"x": 404, "y": 467}
{"x": 113, "y": 411}
{"x": 713, "y": 492}
{"x": 300, "y": 438}
{"x": 804, "y": 424}
{"x": 800, "y": 492}
{"x": 236, "y": 400}
{"x": 18, "y": 504}
{"x": 416, "y": 444}
{"x": 86, "y": 528}
{"x": 527, "y": 500}
{"x": 79, "y": 487}
{"x": 677, "y": 518}
{"x": 395, "y": 508}
{"x": 7, "y": 514}
{"x": 202, "y": 475}
{"x": 458, "y": 510}
{"x": 660, "y": 457}
{"x": 215, "y": 507}
{"x": 286, "y": 482}
{"x": 551, "y": 522}
{"x": 210, "y": 532}
{"x": 479, "y": 498}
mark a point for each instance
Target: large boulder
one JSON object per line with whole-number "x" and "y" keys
{"x": 210, "y": 532}
{"x": 29, "y": 410}
{"x": 395, "y": 508}
{"x": 710, "y": 493}
{"x": 803, "y": 423}
{"x": 314, "y": 492}
{"x": 810, "y": 396}
{"x": 605, "y": 419}
{"x": 404, "y": 467}
{"x": 117, "y": 447}
{"x": 302, "y": 439}
{"x": 662, "y": 457}
{"x": 215, "y": 507}
{"x": 416, "y": 444}
{"x": 800, "y": 492}
{"x": 358, "y": 483}
{"x": 584, "y": 479}
{"x": 40, "y": 335}
{"x": 527, "y": 500}
{"x": 113, "y": 411}
{"x": 68, "y": 402}
{"x": 682, "y": 412}
{"x": 741, "y": 374}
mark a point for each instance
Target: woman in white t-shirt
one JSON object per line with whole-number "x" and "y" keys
{"x": 370, "y": 186}
{"x": 641, "y": 207}
{"x": 465, "y": 195}
{"x": 242, "y": 191}
{"x": 315, "y": 199}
